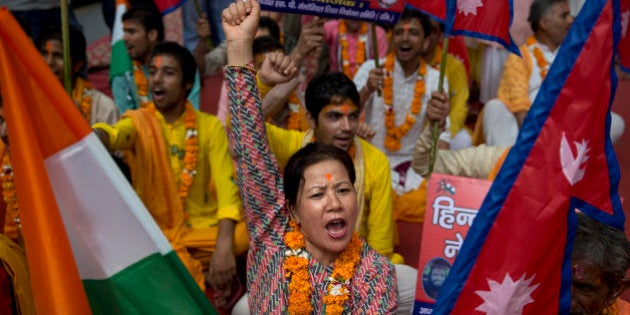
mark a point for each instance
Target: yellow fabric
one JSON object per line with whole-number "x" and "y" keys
{"x": 514, "y": 85}
{"x": 201, "y": 242}
{"x": 378, "y": 229}
{"x": 144, "y": 137}
{"x": 263, "y": 88}
{"x": 457, "y": 89}
{"x": 411, "y": 206}
{"x": 13, "y": 258}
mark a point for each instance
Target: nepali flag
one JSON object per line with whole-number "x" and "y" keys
{"x": 516, "y": 258}
{"x": 168, "y": 6}
{"x": 624, "y": 43}
{"x": 485, "y": 19}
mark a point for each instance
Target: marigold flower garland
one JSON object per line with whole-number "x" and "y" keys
{"x": 296, "y": 114}
{"x": 540, "y": 57}
{"x": 9, "y": 194}
{"x": 612, "y": 309}
{"x": 83, "y": 96}
{"x": 393, "y": 133}
{"x": 191, "y": 149}
{"x": 142, "y": 84}
{"x": 296, "y": 267}
{"x": 351, "y": 69}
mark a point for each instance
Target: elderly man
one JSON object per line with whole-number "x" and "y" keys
{"x": 522, "y": 77}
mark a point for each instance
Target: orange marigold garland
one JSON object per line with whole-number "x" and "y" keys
{"x": 351, "y": 69}
{"x": 296, "y": 267}
{"x": 9, "y": 194}
{"x": 296, "y": 120}
{"x": 142, "y": 85}
{"x": 191, "y": 150}
{"x": 82, "y": 95}
{"x": 539, "y": 56}
{"x": 395, "y": 133}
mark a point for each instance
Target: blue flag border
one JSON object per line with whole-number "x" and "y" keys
{"x": 543, "y": 104}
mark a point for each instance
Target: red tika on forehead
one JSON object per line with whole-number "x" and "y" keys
{"x": 158, "y": 61}
{"x": 328, "y": 177}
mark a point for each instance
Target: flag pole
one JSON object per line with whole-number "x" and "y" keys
{"x": 375, "y": 52}
{"x": 435, "y": 125}
{"x": 200, "y": 13}
{"x": 65, "y": 39}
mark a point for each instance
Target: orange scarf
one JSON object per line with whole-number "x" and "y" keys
{"x": 153, "y": 180}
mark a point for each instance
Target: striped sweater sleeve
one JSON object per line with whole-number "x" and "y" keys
{"x": 258, "y": 175}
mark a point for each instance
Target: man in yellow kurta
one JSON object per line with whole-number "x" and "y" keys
{"x": 182, "y": 171}
{"x": 330, "y": 103}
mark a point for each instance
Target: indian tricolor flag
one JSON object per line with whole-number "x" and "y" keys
{"x": 121, "y": 62}
{"x": 91, "y": 244}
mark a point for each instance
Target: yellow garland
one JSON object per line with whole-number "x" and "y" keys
{"x": 296, "y": 267}
{"x": 9, "y": 194}
{"x": 82, "y": 95}
{"x": 393, "y": 133}
{"x": 540, "y": 57}
{"x": 351, "y": 69}
{"x": 141, "y": 84}
{"x": 191, "y": 149}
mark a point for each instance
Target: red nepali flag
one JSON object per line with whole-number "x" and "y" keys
{"x": 485, "y": 19}
{"x": 168, "y": 6}
{"x": 624, "y": 43}
{"x": 516, "y": 258}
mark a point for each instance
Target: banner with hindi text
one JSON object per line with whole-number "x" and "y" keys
{"x": 378, "y": 11}
{"x": 452, "y": 204}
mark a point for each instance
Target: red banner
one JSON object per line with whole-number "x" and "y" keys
{"x": 452, "y": 204}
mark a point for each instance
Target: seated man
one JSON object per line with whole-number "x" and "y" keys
{"x": 94, "y": 105}
{"x": 182, "y": 170}
{"x": 523, "y": 76}
{"x": 142, "y": 30}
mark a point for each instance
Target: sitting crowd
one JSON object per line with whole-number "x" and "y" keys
{"x": 287, "y": 200}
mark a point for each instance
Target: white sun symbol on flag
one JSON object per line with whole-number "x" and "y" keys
{"x": 468, "y": 6}
{"x": 508, "y": 297}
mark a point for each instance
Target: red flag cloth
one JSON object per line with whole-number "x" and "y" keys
{"x": 485, "y": 19}
{"x": 516, "y": 259}
{"x": 25, "y": 79}
{"x": 168, "y": 6}
{"x": 435, "y": 9}
{"x": 457, "y": 47}
{"x": 624, "y": 43}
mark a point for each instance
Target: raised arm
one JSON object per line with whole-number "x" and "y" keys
{"x": 258, "y": 174}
